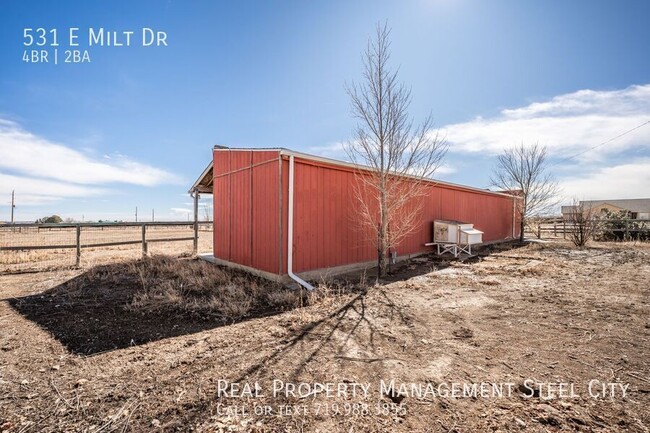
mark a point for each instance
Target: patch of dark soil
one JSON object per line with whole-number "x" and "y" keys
{"x": 115, "y": 306}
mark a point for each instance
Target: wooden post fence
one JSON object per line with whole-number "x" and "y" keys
{"x": 144, "y": 240}
{"x": 196, "y": 221}
{"x": 78, "y": 235}
{"x": 68, "y": 236}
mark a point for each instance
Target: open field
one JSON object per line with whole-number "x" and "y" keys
{"x": 44, "y": 259}
{"x": 114, "y": 349}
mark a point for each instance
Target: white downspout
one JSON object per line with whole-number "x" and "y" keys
{"x": 293, "y": 276}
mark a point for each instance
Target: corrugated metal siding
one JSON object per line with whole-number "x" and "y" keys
{"x": 284, "y": 187}
{"x": 221, "y": 205}
{"x": 327, "y": 232}
{"x": 246, "y": 208}
{"x": 266, "y": 212}
{"x": 251, "y": 224}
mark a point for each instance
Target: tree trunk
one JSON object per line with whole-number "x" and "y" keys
{"x": 383, "y": 248}
{"x": 383, "y": 263}
{"x": 383, "y": 232}
{"x": 522, "y": 226}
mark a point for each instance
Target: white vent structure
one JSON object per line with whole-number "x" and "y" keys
{"x": 455, "y": 237}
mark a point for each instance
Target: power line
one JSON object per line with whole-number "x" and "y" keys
{"x": 603, "y": 143}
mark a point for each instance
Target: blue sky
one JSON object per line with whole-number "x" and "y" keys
{"x": 135, "y": 126}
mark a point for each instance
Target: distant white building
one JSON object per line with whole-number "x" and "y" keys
{"x": 637, "y": 208}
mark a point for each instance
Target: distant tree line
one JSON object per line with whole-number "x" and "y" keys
{"x": 52, "y": 219}
{"x": 56, "y": 219}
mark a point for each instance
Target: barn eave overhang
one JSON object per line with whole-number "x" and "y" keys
{"x": 203, "y": 184}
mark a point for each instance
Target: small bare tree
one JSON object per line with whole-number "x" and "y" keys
{"x": 207, "y": 212}
{"x": 523, "y": 170}
{"x": 582, "y": 224}
{"x": 398, "y": 156}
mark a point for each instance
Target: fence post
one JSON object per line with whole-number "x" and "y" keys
{"x": 195, "y": 248}
{"x": 78, "y": 244}
{"x": 144, "y": 240}
{"x": 564, "y": 229}
{"x": 555, "y": 229}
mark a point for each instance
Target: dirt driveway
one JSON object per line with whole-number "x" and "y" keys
{"x": 544, "y": 322}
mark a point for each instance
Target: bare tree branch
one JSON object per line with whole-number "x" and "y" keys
{"x": 399, "y": 155}
{"x": 582, "y": 224}
{"x": 523, "y": 170}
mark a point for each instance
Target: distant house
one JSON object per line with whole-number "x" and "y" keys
{"x": 637, "y": 208}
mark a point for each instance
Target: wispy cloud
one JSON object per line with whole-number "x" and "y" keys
{"x": 334, "y": 150}
{"x": 39, "y": 191}
{"x": 45, "y": 171}
{"x": 181, "y": 211}
{"x": 629, "y": 180}
{"x": 567, "y": 124}
{"x": 30, "y": 154}
{"x": 337, "y": 151}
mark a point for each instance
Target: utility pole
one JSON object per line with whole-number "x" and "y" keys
{"x": 136, "y": 214}
{"x": 152, "y": 215}
{"x": 13, "y": 204}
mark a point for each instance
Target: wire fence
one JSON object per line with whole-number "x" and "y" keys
{"x": 34, "y": 247}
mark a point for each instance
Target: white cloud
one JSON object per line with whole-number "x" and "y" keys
{"x": 337, "y": 151}
{"x": 445, "y": 169}
{"x": 41, "y": 171}
{"x": 206, "y": 203}
{"x": 331, "y": 150}
{"x": 181, "y": 211}
{"x": 630, "y": 180}
{"x": 30, "y": 191}
{"x": 567, "y": 124}
{"x": 29, "y": 154}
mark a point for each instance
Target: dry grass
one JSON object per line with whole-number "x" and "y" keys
{"x": 138, "y": 301}
{"x": 166, "y": 284}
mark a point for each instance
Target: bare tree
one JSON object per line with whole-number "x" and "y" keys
{"x": 207, "y": 212}
{"x": 582, "y": 224}
{"x": 523, "y": 170}
{"x": 394, "y": 157}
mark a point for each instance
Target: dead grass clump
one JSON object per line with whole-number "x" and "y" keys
{"x": 490, "y": 282}
{"x": 531, "y": 271}
{"x": 166, "y": 284}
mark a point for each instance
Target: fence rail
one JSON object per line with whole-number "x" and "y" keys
{"x": 91, "y": 239}
{"x": 623, "y": 228}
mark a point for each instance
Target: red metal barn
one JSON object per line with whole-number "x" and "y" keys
{"x": 253, "y": 189}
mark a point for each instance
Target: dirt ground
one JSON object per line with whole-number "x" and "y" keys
{"x": 541, "y": 318}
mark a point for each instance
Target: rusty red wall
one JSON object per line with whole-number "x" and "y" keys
{"x": 247, "y": 208}
{"x": 251, "y": 203}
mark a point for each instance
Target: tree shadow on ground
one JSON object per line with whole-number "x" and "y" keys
{"x": 323, "y": 338}
{"x": 350, "y": 317}
{"x": 127, "y": 304}
{"x": 354, "y": 321}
